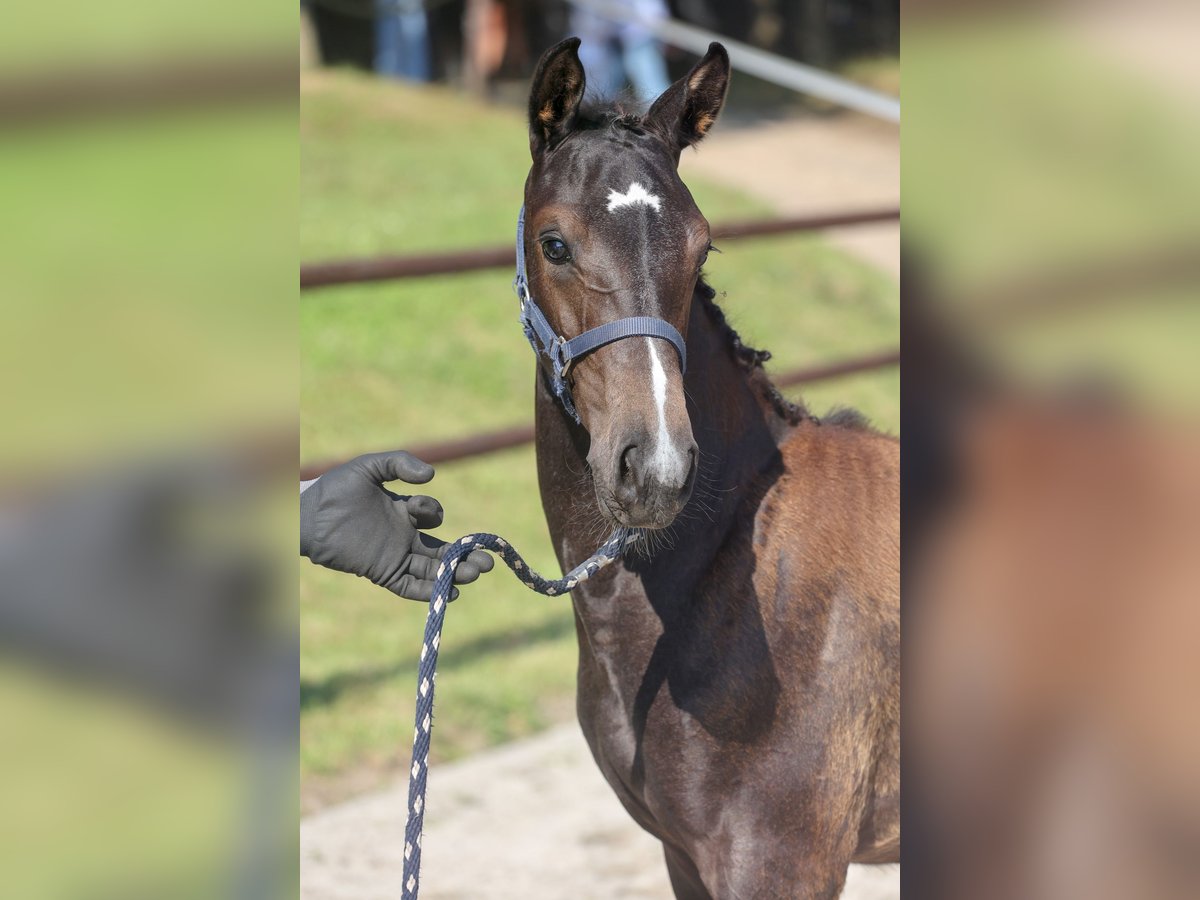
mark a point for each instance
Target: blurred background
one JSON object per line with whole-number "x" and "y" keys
{"x": 488, "y": 47}
{"x": 414, "y": 151}
{"x": 150, "y": 636}
{"x": 1051, "y": 464}
{"x": 148, "y": 645}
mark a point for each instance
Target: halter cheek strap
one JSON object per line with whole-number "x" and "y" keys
{"x": 563, "y": 353}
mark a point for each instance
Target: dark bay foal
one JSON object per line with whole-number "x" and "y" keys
{"x": 739, "y": 681}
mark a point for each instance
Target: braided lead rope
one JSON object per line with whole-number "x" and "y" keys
{"x": 427, "y": 670}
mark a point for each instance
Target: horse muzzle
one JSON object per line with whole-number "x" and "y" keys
{"x": 648, "y": 483}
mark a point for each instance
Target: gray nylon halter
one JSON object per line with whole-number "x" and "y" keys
{"x": 563, "y": 353}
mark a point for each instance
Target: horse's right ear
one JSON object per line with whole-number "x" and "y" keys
{"x": 555, "y": 96}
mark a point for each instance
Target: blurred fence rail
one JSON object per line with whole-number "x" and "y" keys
{"x": 519, "y": 435}
{"x": 145, "y": 87}
{"x": 386, "y": 268}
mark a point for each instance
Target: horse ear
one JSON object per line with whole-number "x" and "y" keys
{"x": 554, "y": 98}
{"x": 687, "y": 109}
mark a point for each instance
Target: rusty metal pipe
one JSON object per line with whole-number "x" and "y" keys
{"x": 517, "y": 436}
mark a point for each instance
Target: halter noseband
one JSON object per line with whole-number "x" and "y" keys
{"x": 563, "y": 353}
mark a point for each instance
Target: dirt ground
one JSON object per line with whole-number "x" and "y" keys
{"x": 533, "y": 819}
{"x": 814, "y": 165}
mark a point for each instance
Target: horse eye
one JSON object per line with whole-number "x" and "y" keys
{"x": 555, "y": 250}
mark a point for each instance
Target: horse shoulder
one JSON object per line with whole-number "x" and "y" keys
{"x": 832, "y": 514}
{"x": 828, "y": 551}
{"x": 827, "y": 568}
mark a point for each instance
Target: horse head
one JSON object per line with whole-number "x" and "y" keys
{"x": 612, "y": 234}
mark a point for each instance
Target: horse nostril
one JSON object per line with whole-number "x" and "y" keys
{"x": 628, "y": 476}
{"x": 628, "y": 464}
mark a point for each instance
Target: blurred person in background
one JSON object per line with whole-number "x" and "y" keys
{"x": 350, "y": 522}
{"x": 612, "y": 51}
{"x": 401, "y": 40}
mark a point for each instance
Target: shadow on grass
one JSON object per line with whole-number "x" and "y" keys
{"x": 326, "y": 691}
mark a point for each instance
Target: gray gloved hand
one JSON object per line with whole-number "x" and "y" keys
{"x": 351, "y": 523}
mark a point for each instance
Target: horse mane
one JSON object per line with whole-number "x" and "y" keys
{"x": 619, "y": 112}
{"x": 752, "y": 361}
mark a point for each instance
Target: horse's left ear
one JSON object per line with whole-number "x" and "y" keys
{"x": 688, "y": 108}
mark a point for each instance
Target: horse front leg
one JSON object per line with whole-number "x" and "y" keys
{"x": 685, "y": 877}
{"x": 771, "y": 868}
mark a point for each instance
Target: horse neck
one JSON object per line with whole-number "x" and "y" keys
{"x": 734, "y": 423}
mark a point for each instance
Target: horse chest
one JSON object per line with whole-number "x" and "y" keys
{"x": 665, "y": 718}
{"x": 651, "y": 752}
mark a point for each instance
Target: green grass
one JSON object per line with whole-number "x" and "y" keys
{"x": 879, "y": 73}
{"x": 1006, "y": 181}
{"x": 386, "y": 168}
{"x": 1100, "y": 167}
{"x": 132, "y": 32}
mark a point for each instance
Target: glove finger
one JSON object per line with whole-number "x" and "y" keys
{"x": 471, "y": 568}
{"x": 465, "y": 573}
{"x": 428, "y": 545}
{"x": 430, "y": 548}
{"x": 422, "y": 570}
{"x": 411, "y": 588}
{"x": 422, "y": 591}
{"x": 423, "y": 512}
{"x": 481, "y": 560}
{"x": 396, "y": 465}
{"x": 422, "y": 567}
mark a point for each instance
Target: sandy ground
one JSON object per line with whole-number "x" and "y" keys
{"x": 533, "y": 819}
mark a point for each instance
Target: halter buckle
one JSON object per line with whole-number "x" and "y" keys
{"x": 562, "y": 362}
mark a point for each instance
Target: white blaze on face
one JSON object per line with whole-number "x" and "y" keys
{"x": 632, "y": 197}
{"x": 667, "y": 462}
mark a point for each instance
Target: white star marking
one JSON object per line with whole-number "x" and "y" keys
{"x": 635, "y": 195}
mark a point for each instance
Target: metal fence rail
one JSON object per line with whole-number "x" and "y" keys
{"x": 142, "y": 88}
{"x": 517, "y": 436}
{"x": 386, "y": 268}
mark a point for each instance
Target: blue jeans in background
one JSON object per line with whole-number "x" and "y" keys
{"x": 613, "y": 51}
{"x": 607, "y": 62}
{"x": 646, "y": 68}
{"x": 401, "y": 40}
